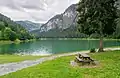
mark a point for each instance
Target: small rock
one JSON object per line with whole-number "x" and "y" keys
{"x": 73, "y": 63}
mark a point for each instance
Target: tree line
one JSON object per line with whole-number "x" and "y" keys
{"x": 9, "y": 30}
{"x": 98, "y": 16}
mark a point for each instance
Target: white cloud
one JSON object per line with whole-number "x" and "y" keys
{"x": 34, "y": 10}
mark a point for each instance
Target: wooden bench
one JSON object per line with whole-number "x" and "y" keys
{"x": 84, "y": 55}
{"x": 84, "y": 58}
{"x": 78, "y": 59}
{"x": 82, "y": 61}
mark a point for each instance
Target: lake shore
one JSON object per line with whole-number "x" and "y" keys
{"x": 16, "y": 42}
{"x": 76, "y": 39}
{"x": 108, "y": 67}
{"x": 20, "y": 41}
{"x": 13, "y": 67}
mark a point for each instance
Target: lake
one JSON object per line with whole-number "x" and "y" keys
{"x": 46, "y": 47}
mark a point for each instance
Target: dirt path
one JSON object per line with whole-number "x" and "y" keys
{"x": 13, "y": 67}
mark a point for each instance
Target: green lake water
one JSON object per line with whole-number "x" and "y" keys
{"x": 46, "y": 47}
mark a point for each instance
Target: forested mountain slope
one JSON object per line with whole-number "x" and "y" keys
{"x": 9, "y": 30}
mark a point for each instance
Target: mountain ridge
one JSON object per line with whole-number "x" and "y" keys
{"x": 29, "y": 25}
{"x": 62, "y": 24}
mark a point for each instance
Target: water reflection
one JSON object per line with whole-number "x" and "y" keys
{"x": 48, "y": 47}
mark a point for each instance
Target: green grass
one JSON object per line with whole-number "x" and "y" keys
{"x": 16, "y": 58}
{"x": 60, "y": 68}
{"x": 5, "y": 42}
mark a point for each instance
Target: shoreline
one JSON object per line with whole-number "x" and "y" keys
{"x": 73, "y": 52}
{"x": 76, "y": 39}
{"x": 42, "y": 39}
{"x": 82, "y": 51}
{"x": 13, "y": 67}
{"x": 16, "y": 42}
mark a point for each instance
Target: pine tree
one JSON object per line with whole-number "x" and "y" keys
{"x": 97, "y": 16}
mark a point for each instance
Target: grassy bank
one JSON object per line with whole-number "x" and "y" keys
{"x": 6, "y": 42}
{"x": 16, "y": 41}
{"x": 109, "y": 67}
{"x": 16, "y": 58}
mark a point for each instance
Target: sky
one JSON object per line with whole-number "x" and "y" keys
{"x": 39, "y": 11}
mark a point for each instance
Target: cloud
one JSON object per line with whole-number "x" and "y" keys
{"x": 34, "y": 10}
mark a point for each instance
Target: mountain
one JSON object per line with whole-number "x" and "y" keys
{"x": 28, "y": 25}
{"x": 61, "y": 25}
{"x": 61, "y": 21}
{"x": 10, "y": 30}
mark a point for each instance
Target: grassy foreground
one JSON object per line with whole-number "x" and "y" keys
{"x": 16, "y": 58}
{"x": 60, "y": 68}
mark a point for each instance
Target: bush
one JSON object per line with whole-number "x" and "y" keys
{"x": 17, "y": 40}
{"x": 92, "y": 50}
{"x": 94, "y": 35}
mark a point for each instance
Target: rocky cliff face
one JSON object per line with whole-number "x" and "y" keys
{"x": 62, "y": 21}
{"x": 60, "y": 24}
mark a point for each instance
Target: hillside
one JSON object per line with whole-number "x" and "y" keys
{"x": 28, "y": 25}
{"x": 9, "y": 30}
{"x": 61, "y": 25}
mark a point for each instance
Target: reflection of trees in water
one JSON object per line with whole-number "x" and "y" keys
{"x": 54, "y": 46}
{"x": 111, "y": 43}
{"x": 13, "y": 48}
{"x": 5, "y": 49}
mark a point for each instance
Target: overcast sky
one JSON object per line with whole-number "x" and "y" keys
{"x": 34, "y": 10}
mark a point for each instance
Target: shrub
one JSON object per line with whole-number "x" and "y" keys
{"x": 94, "y": 35}
{"x": 92, "y": 50}
{"x": 17, "y": 40}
